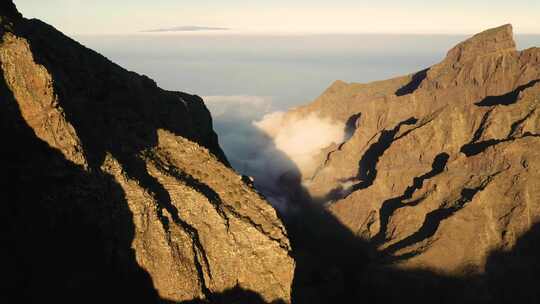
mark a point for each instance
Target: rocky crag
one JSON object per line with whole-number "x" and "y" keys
{"x": 440, "y": 169}
{"x": 117, "y": 190}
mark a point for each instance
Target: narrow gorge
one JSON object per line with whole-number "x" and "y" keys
{"x": 421, "y": 188}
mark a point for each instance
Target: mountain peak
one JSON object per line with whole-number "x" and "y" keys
{"x": 490, "y": 41}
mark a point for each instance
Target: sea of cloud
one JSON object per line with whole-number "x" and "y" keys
{"x": 273, "y": 148}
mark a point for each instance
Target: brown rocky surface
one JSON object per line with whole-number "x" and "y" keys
{"x": 117, "y": 190}
{"x": 438, "y": 177}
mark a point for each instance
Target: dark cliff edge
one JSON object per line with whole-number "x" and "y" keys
{"x": 116, "y": 190}
{"x": 105, "y": 89}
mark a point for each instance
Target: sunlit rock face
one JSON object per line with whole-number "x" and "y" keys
{"x": 117, "y": 190}
{"x": 441, "y": 166}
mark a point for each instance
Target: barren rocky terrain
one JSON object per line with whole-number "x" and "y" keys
{"x": 440, "y": 168}
{"x": 116, "y": 190}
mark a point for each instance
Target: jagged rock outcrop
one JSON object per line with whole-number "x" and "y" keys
{"x": 440, "y": 168}
{"x": 117, "y": 190}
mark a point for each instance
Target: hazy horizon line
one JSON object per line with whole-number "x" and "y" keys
{"x": 186, "y": 28}
{"x": 224, "y": 31}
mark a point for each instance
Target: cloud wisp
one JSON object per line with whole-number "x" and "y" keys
{"x": 274, "y": 148}
{"x": 301, "y": 138}
{"x": 186, "y": 28}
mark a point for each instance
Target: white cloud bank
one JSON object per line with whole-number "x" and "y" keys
{"x": 301, "y": 139}
{"x": 273, "y": 148}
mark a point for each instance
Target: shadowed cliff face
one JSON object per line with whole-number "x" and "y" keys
{"x": 115, "y": 185}
{"x": 9, "y": 10}
{"x": 64, "y": 229}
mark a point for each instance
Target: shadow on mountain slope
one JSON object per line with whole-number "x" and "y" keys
{"x": 336, "y": 266}
{"x": 505, "y": 99}
{"x": 367, "y": 166}
{"x": 113, "y": 110}
{"x": 67, "y": 233}
{"x": 414, "y": 84}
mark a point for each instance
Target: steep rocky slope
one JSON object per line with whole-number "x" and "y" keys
{"x": 440, "y": 168}
{"x": 116, "y": 190}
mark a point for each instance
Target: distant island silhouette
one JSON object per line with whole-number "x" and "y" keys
{"x": 186, "y": 28}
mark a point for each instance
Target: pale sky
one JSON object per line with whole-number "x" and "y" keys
{"x": 286, "y": 16}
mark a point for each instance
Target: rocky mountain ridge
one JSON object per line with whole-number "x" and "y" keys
{"x": 440, "y": 167}
{"x": 117, "y": 190}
